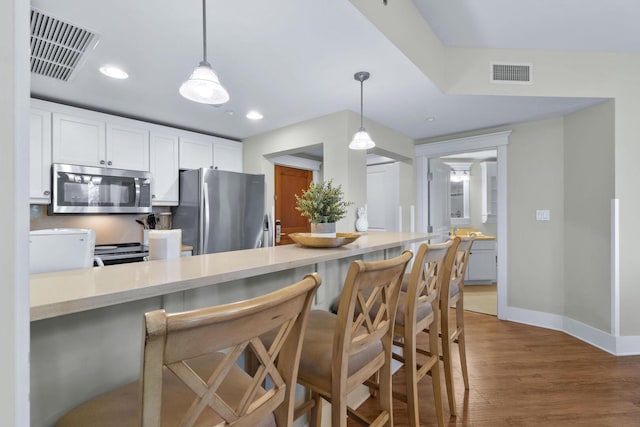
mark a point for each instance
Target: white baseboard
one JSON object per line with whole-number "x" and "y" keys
{"x": 628, "y": 345}
{"x": 618, "y": 346}
{"x": 534, "y": 318}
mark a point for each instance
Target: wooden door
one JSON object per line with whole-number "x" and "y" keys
{"x": 288, "y": 183}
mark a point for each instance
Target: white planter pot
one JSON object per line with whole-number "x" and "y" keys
{"x": 323, "y": 229}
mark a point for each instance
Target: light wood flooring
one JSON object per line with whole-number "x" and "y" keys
{"x": 526, "y": 376}
{"x": 481, "y": 299}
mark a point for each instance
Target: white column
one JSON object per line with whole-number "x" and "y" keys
{"x": 412, "y": 220}
{"x": 14, "y": 215}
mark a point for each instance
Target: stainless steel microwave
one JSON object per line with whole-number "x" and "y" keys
{"x": 92, "y": 190}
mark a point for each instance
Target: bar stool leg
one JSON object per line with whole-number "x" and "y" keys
{"x": 412, "y": 380}
{"x": 435, "y": 372}
{"x": 461, "y": 341}
{"x": 315, "y": 416}
{"x": 448, "y": 369}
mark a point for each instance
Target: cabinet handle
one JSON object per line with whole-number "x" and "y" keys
{"x": 46, "y": 192}
{"x": 102, "y": 162}
{"x": 109, "y": 163}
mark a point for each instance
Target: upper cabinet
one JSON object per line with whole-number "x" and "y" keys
{"x": 40, "y": 157}
{"x": 127, "y": 147}
{"x": 489, "y": 191}
{"x": 164, "y": 169}
{"x": 83, "y": 141}
{"x": 213, "y": 152}
{"x": 227, "y": 155}
{"x": 70, "y": 135}
{"x": 78, "y": 141}
{"x": 195, "y": 153}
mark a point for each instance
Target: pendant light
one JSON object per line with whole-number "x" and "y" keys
{"x": 361, "y": 140}
{"x": 203, "y": 85}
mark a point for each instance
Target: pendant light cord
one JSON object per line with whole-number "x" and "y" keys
{"x": 361, "y": 103}
{"x": 204, "y": 31}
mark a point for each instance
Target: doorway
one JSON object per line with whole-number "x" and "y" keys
{"x": 496, "y": 141}
{"x": 383, "y": 182}
{"x": 461, "y": 190}
{"x": 290, "y": 181}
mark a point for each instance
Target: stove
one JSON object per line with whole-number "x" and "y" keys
{"x": 121, "y": 253}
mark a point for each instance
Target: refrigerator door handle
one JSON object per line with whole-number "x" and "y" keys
{"x": 207, "y": 221}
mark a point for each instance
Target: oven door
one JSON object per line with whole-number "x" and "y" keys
{"x": 84, "y": 189}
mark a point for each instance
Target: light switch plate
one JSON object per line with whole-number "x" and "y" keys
{"x": 543, "y": 215}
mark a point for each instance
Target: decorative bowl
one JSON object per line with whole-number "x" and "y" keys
{"x": 306, "y": 239}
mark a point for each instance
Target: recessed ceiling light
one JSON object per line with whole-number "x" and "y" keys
{"x": 113, "y": 72}
{"x": 229, "y": 112}
{"x": 429, "y": 119}
{"x": 254, "y": 115}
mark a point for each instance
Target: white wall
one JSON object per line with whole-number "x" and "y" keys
{"x": 536, "y": 181}
{"x": 14, "y": 216}
{"x": 589, "y": 188}
{"x": 555, "y": 73}
{"x": 565, "y": 165}
{"x": 346, "y": 167}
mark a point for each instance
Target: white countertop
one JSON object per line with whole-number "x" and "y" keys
{"x": 65, "y": 292}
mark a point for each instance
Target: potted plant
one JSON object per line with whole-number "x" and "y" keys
{"x": 322, "y": 204}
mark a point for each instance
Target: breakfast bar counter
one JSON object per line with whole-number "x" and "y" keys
{"x": 86, "y": 325}
{"x": 66, "y": 292}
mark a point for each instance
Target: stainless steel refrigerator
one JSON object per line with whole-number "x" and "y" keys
{"x": 220, "y": 211}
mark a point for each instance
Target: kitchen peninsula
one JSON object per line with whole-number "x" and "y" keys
{"x": 86, "y": 325}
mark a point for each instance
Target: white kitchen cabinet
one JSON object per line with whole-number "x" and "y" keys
{"x": 78, "y": 140}
{"x": 127, "y": 147}
{"x": 482, "y": 267}
{"x": 163, "y": 165}
{"x": 40, "y": 157}
{"x": 227, "y": 155}
{"x": 195, "y": 153}
{"x": 489, "y": 191}
{"x": 214, "y": 152}
{"x": 85, "y": 141}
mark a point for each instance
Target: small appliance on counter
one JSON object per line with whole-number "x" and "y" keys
{"x": 121, "y": 253}
{"x": 58, "y": 249}
{"x": 164, "y": 244}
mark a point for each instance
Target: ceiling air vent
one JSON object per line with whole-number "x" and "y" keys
{"x": 57, "y": 47}
{"x": 511, "y": 73}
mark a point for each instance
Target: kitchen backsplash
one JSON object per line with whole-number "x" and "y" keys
{"x": 116, "y": 228}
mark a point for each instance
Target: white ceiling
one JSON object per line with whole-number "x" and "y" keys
{"x": 587, "y": 25}
{"x": 295, "y": 60}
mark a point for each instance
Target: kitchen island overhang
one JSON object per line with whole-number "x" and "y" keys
{"x": 67, "y": 292}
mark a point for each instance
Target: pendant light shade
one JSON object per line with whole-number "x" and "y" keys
{"x": 203, "y": 84}
{"x": 361, "y": 140}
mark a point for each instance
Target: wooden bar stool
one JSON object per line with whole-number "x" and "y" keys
{"x": 342, "y": 351}
{"x": 190, "y": 375}
{"x": 418, "y": 312}
{"x": 454, "y": 333}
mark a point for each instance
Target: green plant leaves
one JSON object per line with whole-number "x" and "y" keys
{"x": 322, "y": 202}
